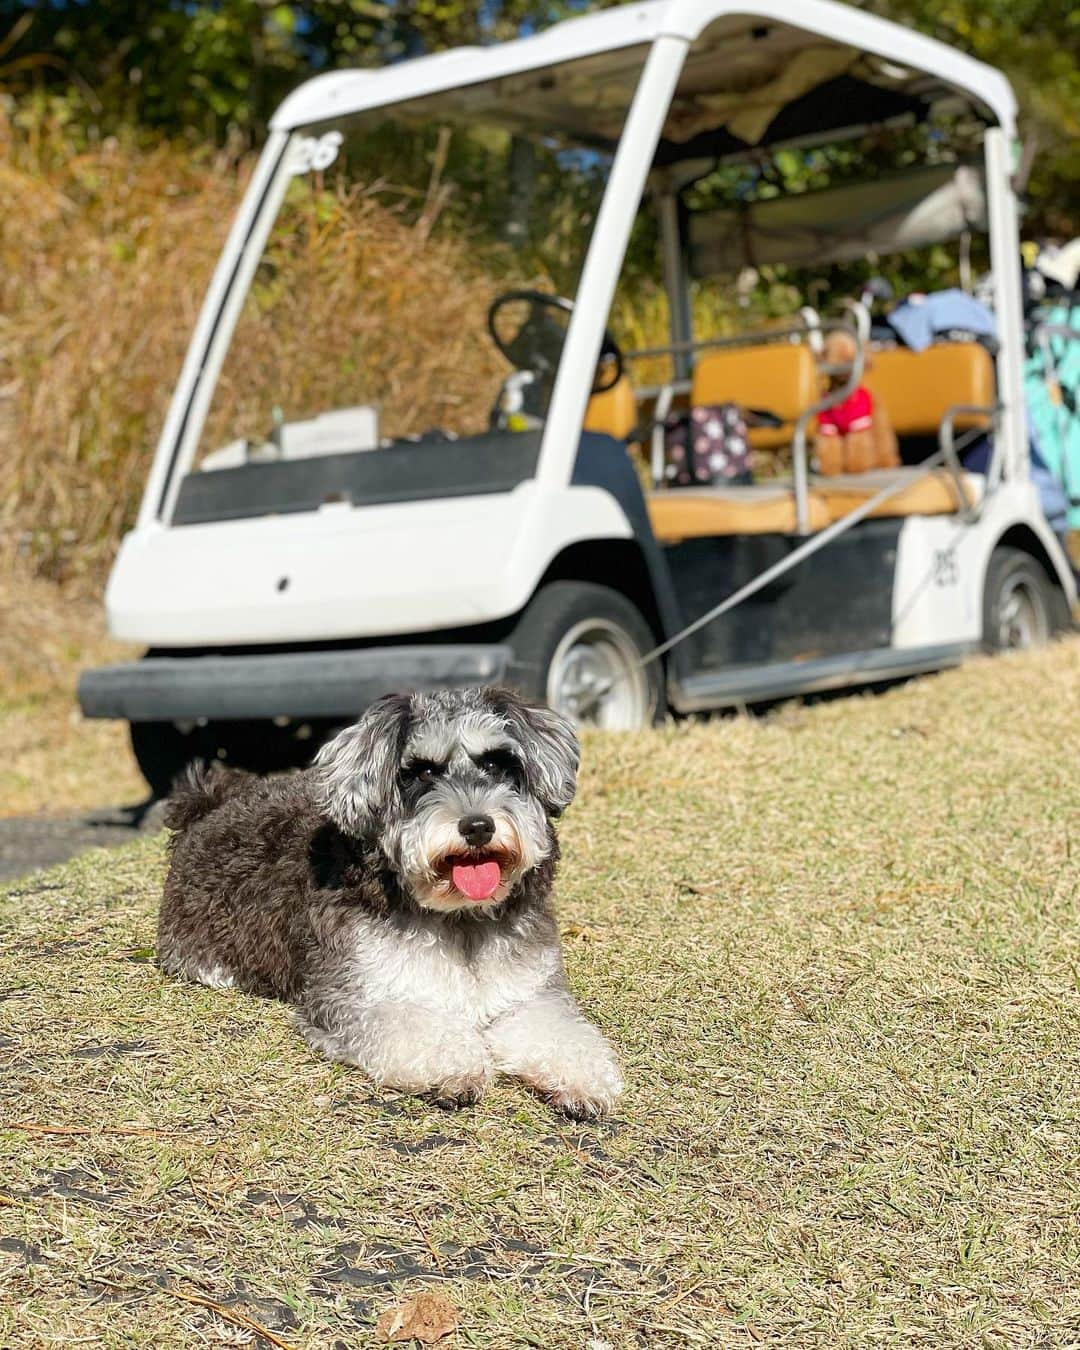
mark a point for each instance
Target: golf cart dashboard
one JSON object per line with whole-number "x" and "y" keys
{"x": 527, "y": 327}
{"x": 404, "y": 471}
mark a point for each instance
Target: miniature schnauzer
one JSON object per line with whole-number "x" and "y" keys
{"x": 399, "y": 894}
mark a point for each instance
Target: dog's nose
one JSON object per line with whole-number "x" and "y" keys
{"x": 476, "y": 830}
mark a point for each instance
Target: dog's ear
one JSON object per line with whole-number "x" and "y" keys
{"x": 355, "y": 773}
{"x": 551, "y": 750}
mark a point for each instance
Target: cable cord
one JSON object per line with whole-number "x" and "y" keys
{"x": 800, "y": 554}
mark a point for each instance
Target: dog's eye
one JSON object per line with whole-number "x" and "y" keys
{"x": 423, "y": 772}
{"x": 500, "y": 764}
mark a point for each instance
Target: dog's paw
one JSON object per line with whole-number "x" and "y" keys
{"x": 454, "y": 1093}
{"x": 575, "y": 1106}
{"x": 585, "y": 1090}
{"x": 587, "y": 1095}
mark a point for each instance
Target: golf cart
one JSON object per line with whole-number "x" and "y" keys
{"x": 358, "y": 533}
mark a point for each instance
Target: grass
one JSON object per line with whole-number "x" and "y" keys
{"x": 105, "y": 254}
{"x": 54, "y": 759}
{"x": 838, "y": 950}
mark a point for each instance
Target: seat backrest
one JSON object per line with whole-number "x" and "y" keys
{"x": 780, "y": 378}
{"x": 916, "y": 388}
{"x": 614, "y": 412}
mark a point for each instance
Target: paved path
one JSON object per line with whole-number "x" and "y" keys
{"x": 30, "y": 842}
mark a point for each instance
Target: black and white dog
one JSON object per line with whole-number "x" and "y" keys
{"x": 399, "y": 894}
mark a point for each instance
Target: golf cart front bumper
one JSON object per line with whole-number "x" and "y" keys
{"x": 282, "y": 684}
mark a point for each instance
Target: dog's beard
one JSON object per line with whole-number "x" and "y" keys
{"x": 431, "y": 849}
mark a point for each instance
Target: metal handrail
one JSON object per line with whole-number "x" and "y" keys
{"x": 800, "y": 465}
{"x": 664, "y": 399}
{"x": 814, "y": 332}
{"x": 969, "y": 511}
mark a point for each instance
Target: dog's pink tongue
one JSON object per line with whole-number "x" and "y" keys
{"x": 479, "y": 881}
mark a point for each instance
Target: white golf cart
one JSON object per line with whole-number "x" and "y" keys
{"x": 329, "y": 553}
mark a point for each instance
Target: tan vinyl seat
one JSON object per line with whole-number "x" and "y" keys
{"x": 779, "y": 377}
{"x": 917, "y": 388}
{"x": 933, "y": 494}
{"x": 614, "y": 412}
{"x": 757, "y": 508}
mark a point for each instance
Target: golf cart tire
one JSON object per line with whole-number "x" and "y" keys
{"x": 1013, "y": 572}
{"x": 163, "y": 751}
{"x": 562, "y": 608}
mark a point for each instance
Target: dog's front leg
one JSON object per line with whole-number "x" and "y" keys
{"x": 555, "y": 1051}
{"x": 404, "y": 1045}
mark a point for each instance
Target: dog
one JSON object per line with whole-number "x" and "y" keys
{"x": 399, "y": 894}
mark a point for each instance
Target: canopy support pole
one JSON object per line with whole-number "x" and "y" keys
{"x": 676, "y": 280}
{"x": 1008, "y": 303}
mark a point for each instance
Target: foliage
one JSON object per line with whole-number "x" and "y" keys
{"x": 104, "y": 257}
{"x": 206, "y": 66}
{"x": 213, "y": 65}
{"x": 1037, "y": 44}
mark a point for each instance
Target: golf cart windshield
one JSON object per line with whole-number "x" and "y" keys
{"x": 420, "y": 274}
{"x": 426, "y": 251}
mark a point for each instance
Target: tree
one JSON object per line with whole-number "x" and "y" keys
{"x": 221, "y": 64}
{"x": 213, "y": 66}
{"x": 1037, "y": 44}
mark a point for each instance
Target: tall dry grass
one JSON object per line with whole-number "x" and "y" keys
{"x": 360, "y": 300}
{"x": 105, "y": 254}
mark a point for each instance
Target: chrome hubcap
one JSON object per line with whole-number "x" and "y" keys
{"x": 1022, "y": 620}
{"x": 595, "y": 680}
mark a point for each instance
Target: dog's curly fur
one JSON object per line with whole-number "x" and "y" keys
{"x": 332, "y": 889}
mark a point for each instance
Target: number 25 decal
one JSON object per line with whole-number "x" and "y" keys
{"x": 314, "y": 153}
{"x": 946, "y": 571}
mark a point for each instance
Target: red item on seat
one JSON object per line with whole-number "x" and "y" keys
{"x": 856, "y": 413}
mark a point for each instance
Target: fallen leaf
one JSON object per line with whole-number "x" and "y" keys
{"x": 426, "y": 1318}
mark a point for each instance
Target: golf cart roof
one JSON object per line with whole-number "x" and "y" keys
{"x": 760, "y": 73}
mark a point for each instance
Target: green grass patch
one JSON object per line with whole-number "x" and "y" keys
{"x": 838, "y": 951}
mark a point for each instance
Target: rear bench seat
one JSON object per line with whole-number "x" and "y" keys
{"x": 781, "y": 378}
{"x": 917, "y": 389}
{"x": 757, "y": 508}
{"x": 934, "y": 494}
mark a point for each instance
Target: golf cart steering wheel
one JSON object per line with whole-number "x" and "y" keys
{"x": 537, "y": 343}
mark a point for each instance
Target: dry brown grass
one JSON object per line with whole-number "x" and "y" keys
{"x": 104, "y": 258}
{"x": 354, "y": 304}
{"x": 46, "y": 634}
{"x": 54, "y": 759}
{"x": 837, "y": 952}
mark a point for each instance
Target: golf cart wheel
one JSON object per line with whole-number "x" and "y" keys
{"x": 578, "y": 647}
{"x": 1020, "y": 603}
{"x": 162, "y": 753}
{"x": 163, "y": 750}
